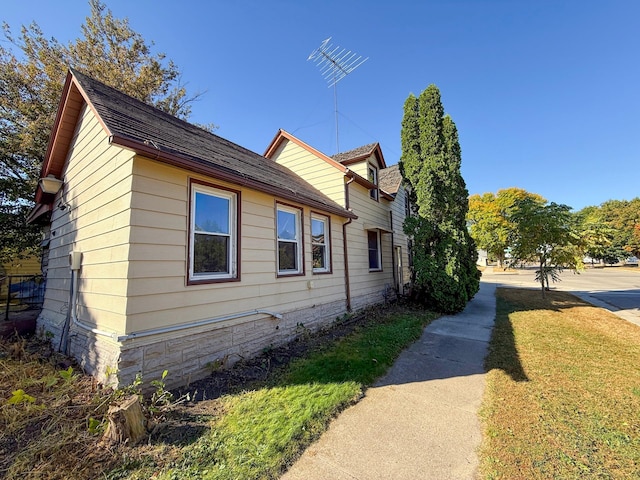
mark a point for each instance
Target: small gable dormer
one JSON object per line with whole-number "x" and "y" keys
{"x": 366, "y": 161}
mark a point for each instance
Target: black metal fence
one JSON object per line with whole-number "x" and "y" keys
{"x": 19, "y": 293}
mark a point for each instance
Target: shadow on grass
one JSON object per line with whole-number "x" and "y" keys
{"x": 503, "y": 351}
{"x": 180, "y": 428}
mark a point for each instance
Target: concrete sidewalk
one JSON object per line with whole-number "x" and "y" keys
{"x": 420, "y": 420}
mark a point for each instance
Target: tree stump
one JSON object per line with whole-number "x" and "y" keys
{"x": 126, "y": 422}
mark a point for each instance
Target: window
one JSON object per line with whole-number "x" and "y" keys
{"x": 289, "y": 240}
{"x": 373, "y": 178}
{"x": 212, "y": 234}
{"x": 320, "y": 243}
{"x": 407, "y": 204}
{"x": 373, "y": 239}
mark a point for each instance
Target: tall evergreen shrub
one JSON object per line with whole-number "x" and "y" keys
{"x": 444, "y": 275}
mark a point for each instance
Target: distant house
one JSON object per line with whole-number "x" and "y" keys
{"x": 173, "y": 248}
{"x": 29, "y": 265}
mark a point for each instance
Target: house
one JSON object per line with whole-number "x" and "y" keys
{"x": 29, "y": 265}
{"x": 375, "y": 244}
{"x": 172, "y": 248}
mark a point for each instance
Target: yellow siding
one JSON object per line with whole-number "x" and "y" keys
{"x": 23, "y": 266}
{"x": 362, "y": 168}
{"x": 95, "y": 221}
{"x": 316, "y": 171}
{"x": 367, "y": 285}
{"x": 158, "y": 295}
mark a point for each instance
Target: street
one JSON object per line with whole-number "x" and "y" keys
{"x": 613, "y": 288}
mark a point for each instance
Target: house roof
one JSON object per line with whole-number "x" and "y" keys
{"x": 359, "y": 154}
{"x": 283, "y": 136}
{"x": 390, "y": 179}
{"x": 155, "y": 134}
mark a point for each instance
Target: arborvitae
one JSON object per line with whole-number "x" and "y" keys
{"x": 445, "y": 276}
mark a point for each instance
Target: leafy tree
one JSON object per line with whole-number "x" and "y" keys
{"x": 489, "y": 222}
{"x": 633, "y": 244}
{"x": 444, "y": 274}
{"x": 597, "y": 236}
{"x": 32, "y": 73}
{"x": 545, "y": 234}
{"x": 623, "y": 216}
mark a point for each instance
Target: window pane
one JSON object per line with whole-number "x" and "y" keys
{"x": 287, "y": 256}
{"x": 287, "y": 225}
{"x": 210, "y": 254}
{"x": 317, "y": 231}
{"x": 318, "y": 256}
{"x": 374, "y": 257}
{"x": 212, "y": 214}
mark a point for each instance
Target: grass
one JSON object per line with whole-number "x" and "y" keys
{"x": 254, "y": 434}
{"x": 563, "y": 391}
{"x": 262, "y": 431}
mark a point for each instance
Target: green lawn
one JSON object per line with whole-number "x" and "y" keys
{"x": 563, "y": 391}
{"x": 261, "y": 431}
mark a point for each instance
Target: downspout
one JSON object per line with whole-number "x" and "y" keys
{"x": 75, "y": 260}
{"x": 64, "y": 335}
{"x": 396, "y": 287}
{"x": 347, "y": 286}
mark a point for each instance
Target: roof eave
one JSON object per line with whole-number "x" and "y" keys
{"x": 223, "y": 174}
{"x": 283, "y": 135}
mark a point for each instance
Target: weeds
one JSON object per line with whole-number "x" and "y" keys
{"x": 250, "y": 434}
{"x": 58, "y": 414}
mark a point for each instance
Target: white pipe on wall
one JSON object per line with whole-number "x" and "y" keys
{"x": 199, "y": 323}
{"x": 157, "y": 331}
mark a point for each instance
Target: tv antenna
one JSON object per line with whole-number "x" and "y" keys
{"x": 335, "y": 64}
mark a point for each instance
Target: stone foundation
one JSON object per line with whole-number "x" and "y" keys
{"x": 192, "y": 354}
{"x": 97, "y": 355}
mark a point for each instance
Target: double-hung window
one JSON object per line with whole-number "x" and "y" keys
{"x": 213, "y": 239}
{"x": 373, "y": 240}
{"x": 320, "y": 234}
{"x": 289, "y": 225}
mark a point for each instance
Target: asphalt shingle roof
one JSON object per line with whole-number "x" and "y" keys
{"x": 355, "y": 153}
{"x": 390, "y": 179}
{"x": 142, "y": 124}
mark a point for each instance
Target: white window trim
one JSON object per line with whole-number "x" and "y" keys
{"x": 233, "y": 236}
{"x": 298, "y": 241}
{"x": 326, "y": 244}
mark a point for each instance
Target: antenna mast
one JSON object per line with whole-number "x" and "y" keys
{"x": 335, "y": 64}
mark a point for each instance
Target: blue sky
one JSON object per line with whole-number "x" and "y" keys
{"x": 545, "y": 94}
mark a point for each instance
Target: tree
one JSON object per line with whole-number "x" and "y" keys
{"x": 623, "y": 216}
{"x": 32, "y": 74}
{"x": 489, "y": 222}
{"x": 597, "y": 236}
{"x": 633, "y": 245}
{"x": 545, "y": 234}
{"x": 444, "y": 274}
